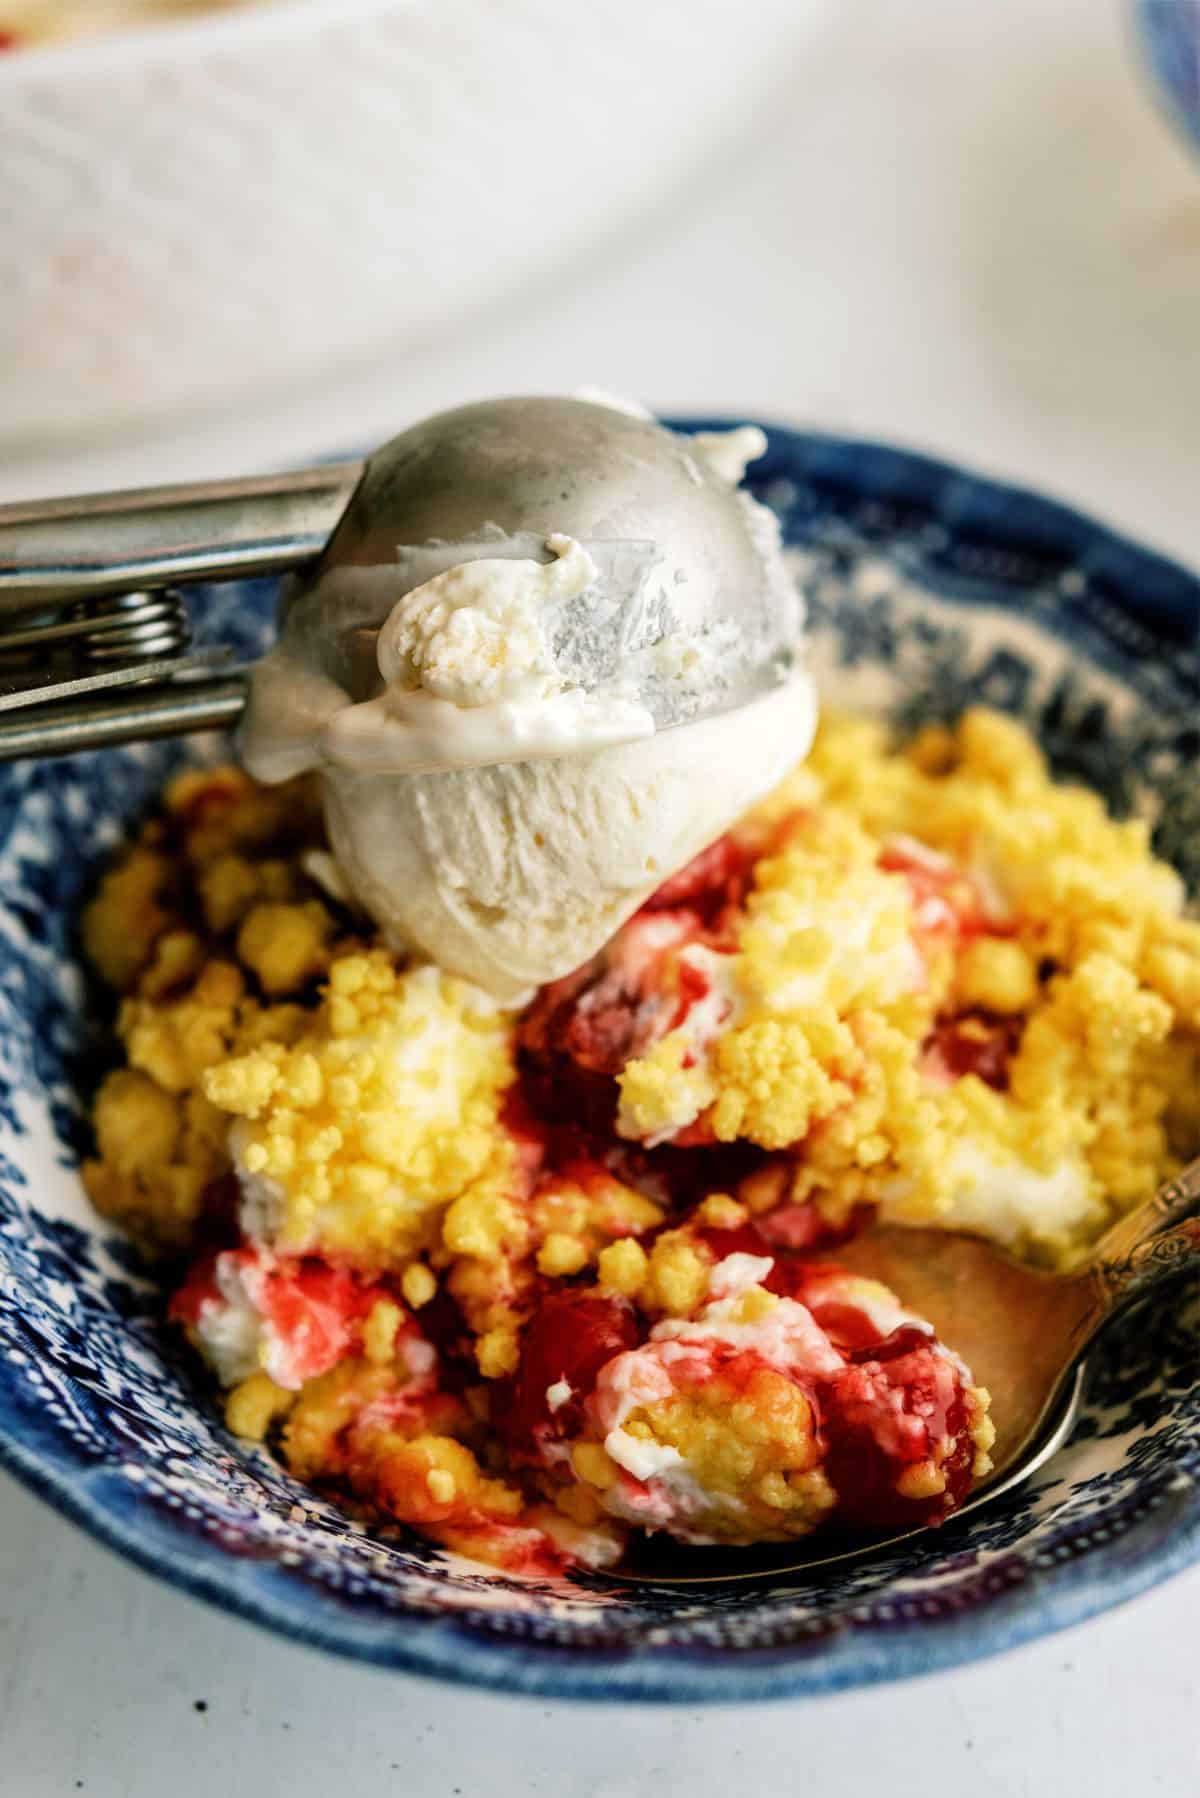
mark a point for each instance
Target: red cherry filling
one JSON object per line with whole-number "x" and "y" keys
{"x": 945, "y": 900}
{"x": 200, "y": 1287}
{"x": 313, "y": 1305}
{"x": 889, "y": 1410}
{"x": 789, "y": 1275}
{"x": 709, "y": 882}
{"x": 976, "y": 1043}
{"x": 310, "y": 1306}
{"x": 569, "y": 1338}
{"x": 442, "y": 1323}
{"x": 581, "y": 1031}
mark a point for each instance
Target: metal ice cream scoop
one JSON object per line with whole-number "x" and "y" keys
{"x": 94, "y": 629}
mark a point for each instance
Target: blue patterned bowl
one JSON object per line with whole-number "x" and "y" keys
{"x": 1168, "y": 34}
{"x": 928, "y": 589}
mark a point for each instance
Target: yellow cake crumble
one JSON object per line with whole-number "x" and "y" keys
{"x": 362, "y": 1130}
{"x": 831, "y": 1013}
{"x": 212, "y": 931}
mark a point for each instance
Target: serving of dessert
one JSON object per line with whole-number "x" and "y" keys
{"x": 497, "y": 1121}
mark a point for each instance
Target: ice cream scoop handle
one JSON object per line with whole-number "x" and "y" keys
{"x": 91, "y": 545}
{"x": 131, "y": 716}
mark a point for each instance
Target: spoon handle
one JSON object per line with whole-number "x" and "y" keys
{"x": 1175, "y": 1200}
{"x": 1156, "y": 1242}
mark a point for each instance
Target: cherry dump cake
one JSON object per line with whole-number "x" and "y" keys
{"x": 528, "y": 1279}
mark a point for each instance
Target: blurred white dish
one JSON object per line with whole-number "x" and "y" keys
{"x": 27, "y": 22}
{"x": 231, "y": 203}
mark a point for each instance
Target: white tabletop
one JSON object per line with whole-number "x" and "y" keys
{"x": 969, "y": 230}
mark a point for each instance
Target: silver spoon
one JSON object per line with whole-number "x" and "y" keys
{"x": 1023, "y": 1333}
{"x": 92, "y": 572}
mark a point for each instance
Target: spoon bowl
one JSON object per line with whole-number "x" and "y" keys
{"x": 1024, "y": 1333}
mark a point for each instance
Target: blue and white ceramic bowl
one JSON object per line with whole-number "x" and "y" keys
{"x": 1168, "y": 33}
{"x": 928, "y": 589}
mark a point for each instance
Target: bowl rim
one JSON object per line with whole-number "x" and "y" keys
{"x": 262, "y": 1592}
{"x": 437, "y": 1649}
{"x": 1155, "y": 30}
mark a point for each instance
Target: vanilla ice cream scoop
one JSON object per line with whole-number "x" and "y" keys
{"x": 550, "y": 652}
